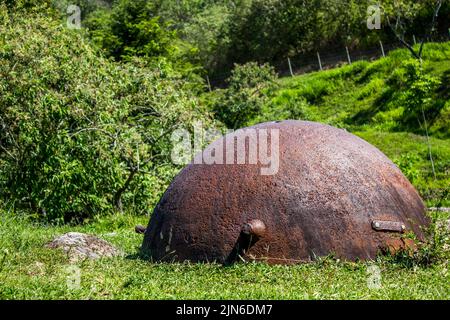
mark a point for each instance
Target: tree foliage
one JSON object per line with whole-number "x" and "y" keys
{"x": 418, "y": 96}
{"x": 81, "y": 135}
{"x": 268, "y": 31}
{"x": 131, "y": 28}
{"x": 245, "y": 94}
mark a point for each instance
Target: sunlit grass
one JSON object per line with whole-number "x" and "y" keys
{"x": 31, "y": 271}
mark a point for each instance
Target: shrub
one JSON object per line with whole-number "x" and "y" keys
{"x": 132, "y": 28}
{"x": 434, "y": 250}
{"x": 81, "y": 135}
{"x": 245, "y": 95}
{"x": 418, "y": 98}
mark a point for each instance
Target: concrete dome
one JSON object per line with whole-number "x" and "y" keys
{"x": 329, "y": 192}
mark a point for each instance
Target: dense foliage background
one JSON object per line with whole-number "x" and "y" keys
{"x": 86, "y": 114}
{"x": 81, "y": 134}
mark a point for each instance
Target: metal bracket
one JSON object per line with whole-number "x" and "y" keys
{"x": 392, "y": 226}
{"x": 251, "y": 232}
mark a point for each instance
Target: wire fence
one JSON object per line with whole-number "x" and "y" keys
{"x": 327, "y": 59}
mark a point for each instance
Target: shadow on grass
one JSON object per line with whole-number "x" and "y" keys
{"x": 365, "y": 116}
{"x": 444, "y": 89}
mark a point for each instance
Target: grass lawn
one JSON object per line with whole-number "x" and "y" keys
{"x": 28, "y": 270}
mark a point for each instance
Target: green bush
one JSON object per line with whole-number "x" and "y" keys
{"x": 434, "y": 250}
{"x": 245, "y": 95}
{"x": 418, "y": 98}
{"x": 82, "y": 135}
{"x": 132, "y": 28}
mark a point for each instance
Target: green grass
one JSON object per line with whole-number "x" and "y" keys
{"x": 364, "y": 95}
{"x": 410, "y": 152}
{"x": 30, "y": 271}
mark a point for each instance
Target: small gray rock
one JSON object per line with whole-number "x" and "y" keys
{"x": 80, "y": 246}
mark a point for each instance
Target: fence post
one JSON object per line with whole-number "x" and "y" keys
{"x": 382, "y": 49}
{"x": 290, "y": 67}
{"x": 320, "y": 62}
{"x": 348, "y": 56}
{"x": 209, "y": 84}
{"x": 414, "y": 39}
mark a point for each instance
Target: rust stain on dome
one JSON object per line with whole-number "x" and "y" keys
{"x": 329, "y": 191}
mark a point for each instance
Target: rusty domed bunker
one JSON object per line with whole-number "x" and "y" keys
{"x": 328, "y": 192}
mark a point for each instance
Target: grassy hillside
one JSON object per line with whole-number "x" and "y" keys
{"x": 373, "y": 100}
{"x": 365, "y": 95}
